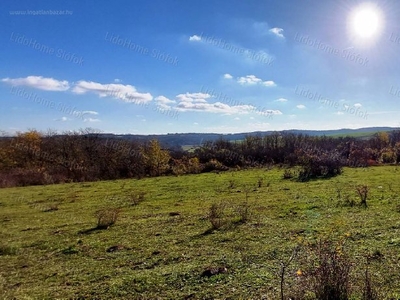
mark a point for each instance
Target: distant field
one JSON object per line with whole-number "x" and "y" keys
{"x": 162, "y": 247}
{"x": 362, "y": 135}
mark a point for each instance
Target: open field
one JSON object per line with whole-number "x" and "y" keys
{"x": 161, "y": 246}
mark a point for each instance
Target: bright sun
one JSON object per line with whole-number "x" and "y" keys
{"x": 366, "y": 22}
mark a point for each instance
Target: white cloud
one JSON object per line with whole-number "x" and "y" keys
{"x": 253, "y": 80}
{"x": 195, "y": 38}
{"x": 81, "y": 114}
{"x": 249, "y": 79}
{"x": 63, "y": 119}
{"x": 216, "y": 107}
{"x": 268, "y": 112}
{"x": 358, "y": 105}
{"x": 277, "y": 31}
{"x": 339, "y": 113}
{"x": 163, "y": 102}
{"x": 281, "y": 100}
{"x": 237, "y": 119}
{"x": 127, "y": 93}
{"x": 301, "y": 106}
{"x": 195, "y": 123}
{"x": 193, "y": 97}
{"x": 269, "y": 83}
{"x": 199, "y": 102}
{"x": 39, "y": 82}
{"x": 90, "y": 112}
{"x": 228, "y": 76}
{"x": 91, "y": 120}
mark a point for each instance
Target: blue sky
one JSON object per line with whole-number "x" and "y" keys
{"x": 198, "y": 66}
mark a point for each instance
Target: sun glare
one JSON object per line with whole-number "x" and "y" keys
{"x": 366, "y": 22}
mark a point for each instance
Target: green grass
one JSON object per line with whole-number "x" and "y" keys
{"x": 159, "y": 248}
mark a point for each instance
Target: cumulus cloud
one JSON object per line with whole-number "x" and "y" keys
{"x": 358, "y": 105}
{"x": 269, "y": 83}
{"x": 228, "y": 76}
{"x": 193, "y": 97}
{"x": 195, "y": 38}
{"x": 253, "y": 80}
{"x": 163, "y": 102}
{"x": 127, "y": 93}
{"x": 277, "y": 31}
{"x": 39, "y": 82}
{"x": 202, "y": 102}
{"x": 281, "y": 100}
{"x": 301, "y": 106}
{"x": 216, "y": 107}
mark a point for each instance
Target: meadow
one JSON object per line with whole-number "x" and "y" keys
{"x": 163, "y": 244}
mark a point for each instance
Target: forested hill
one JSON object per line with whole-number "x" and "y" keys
{"x": 182, "y": 139}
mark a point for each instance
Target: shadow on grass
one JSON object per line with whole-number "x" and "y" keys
{"x": 92, "y": 230}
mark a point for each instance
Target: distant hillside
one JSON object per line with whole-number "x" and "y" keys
{"x": 178, "y": 140}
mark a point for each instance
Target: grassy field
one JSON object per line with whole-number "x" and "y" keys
{"x": 162, "y": 247}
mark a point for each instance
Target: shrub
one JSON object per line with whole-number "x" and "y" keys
{"x": 369, "y": 292}
{"x": 216, "y": 215}
{"x": 243, "y": 212}
{"x": 330, "y": 277}
{"x": 7, "y": 250}
{"x": 232, "y": 184}
{"x": 260, "y": 182}
{"x": 136, "y": 197}
{"x": 214, "y": 165}
{"x": 347, "y": 202}
{"x": 320, "y": 166}
{"x": 107, "y": 217}
{"x": 288, "y": 174}
{"x": 362, "y": 191}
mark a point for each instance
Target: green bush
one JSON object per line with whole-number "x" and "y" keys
{"x": 107, "y": 217}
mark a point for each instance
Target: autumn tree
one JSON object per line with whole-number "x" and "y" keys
{"x": 155, "y": 158}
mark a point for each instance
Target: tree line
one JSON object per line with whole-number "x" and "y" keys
{"x": 35, "y": 158}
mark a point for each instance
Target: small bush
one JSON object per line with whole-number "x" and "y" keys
{"x": 323, "y": 165}
{"x": 347, "y": 202}
{"x": 243, "y": 212}
{"x": 362, "y": 191}
{"x": 330, "y": 277}
{"x": 232, "y": 184}
{"x": 136, "y": 197}
{"x": 7, "y": 250}
{"x": 216, "y": 215}
{"x": 106, "y": 217}
{"x": 214, "y": 165}
{"x": 369, "y": 292}
{"x": 288, "y": 174}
